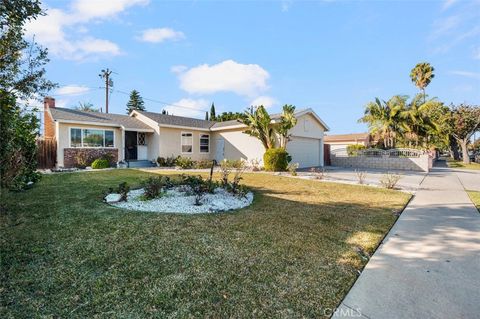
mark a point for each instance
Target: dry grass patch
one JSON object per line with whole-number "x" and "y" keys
{"x": 293, "y": 253}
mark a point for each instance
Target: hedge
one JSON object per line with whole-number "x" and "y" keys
{"x": 275, "y": 160}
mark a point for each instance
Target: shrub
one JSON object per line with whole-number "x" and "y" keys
{"x": 319, "y": 173}
{"x": 122, "y": 189}
{"x": 82, "y": 160}
{"x": 184, "y": 162}
{"x": 202, "y": 164}
{"x": 255, "y": 165}
{"x": 166, "y": 162}
{"x": 100, "y": 163}
{"x": 352, "y": 150}
{"x": 275, "y": 159}
{"x": 198, "y": 187}
{"x": 389, "y": 180}
{"x": 292, "y": 168}
{"x": 153, "y": 186}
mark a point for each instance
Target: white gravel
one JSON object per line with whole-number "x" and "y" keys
{"x": 177, "y": 201}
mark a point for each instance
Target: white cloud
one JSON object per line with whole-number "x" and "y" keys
{"x": 65, "y": 33}
{"x": 286, "y": 5}
{"x": 266, "y": 101}
{"x": 476, "y": 53}
{"x": 467, "y": 74}
{"x": 72, "y": 89}
{"x": 189, "y": 107}
{"x": 159, "y": 35}
{"x": 227, "y": 76}
{"x": 178, "y": 69}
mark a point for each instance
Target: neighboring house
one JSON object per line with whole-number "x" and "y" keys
{"x": 146, "y": 136}
{"x": 339, "y": 142}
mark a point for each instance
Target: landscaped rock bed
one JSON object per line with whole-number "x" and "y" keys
{"x": 186, "y": 194}
{"x": 176, "y": 200}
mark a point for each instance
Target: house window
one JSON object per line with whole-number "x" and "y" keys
{"x": 91, "y": 138}
{"x": 141, "y": 139}
{"x": 187, "y": 143}
{"x": 204, "y": 143}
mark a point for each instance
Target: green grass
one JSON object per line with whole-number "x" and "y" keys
{"x": 475, "y": 197}
{"x": 459, "y": 164}
{"x": 293, "y": 253}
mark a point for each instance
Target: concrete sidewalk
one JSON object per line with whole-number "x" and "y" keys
{"x": 428, "y": 266}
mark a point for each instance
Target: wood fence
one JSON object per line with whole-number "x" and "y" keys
{"x": 46, "y": 153}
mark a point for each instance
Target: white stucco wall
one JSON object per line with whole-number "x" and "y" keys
{"x": 170, "y": 143}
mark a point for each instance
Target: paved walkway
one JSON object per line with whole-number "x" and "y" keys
{"x": 428, "y": 266}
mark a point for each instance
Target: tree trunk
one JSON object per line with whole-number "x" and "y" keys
{"x": 466, "y": 158}
{"x": 454, "y": 148}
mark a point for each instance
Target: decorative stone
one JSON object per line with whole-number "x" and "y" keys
{"x": 113, "y": 198}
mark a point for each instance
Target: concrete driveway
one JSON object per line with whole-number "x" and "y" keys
{"x": 428, "y": 266}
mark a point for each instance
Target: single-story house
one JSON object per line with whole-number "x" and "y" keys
{"x": 145, "y": 135}
{"x": 339, "y": 142}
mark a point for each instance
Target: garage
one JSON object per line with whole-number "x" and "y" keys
{"x": 305, "y": 151}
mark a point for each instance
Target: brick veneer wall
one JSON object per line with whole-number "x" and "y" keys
{"x": 421, "y": 163}
{"x": 70, "y": 155}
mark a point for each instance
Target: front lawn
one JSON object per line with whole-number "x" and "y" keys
{"x": 459, "y": 164}
{"x": 293, "y": 253}
{"x": 475, "y": 197}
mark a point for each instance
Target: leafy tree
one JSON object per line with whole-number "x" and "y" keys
{"x": 259, "y": 126}
{"x": 422, "y": 75}
{"x": 135, "y": 102}
{"x": 86, "y": 107}
{"x": 383, "y": 118}
{"x": 464, "y": 122}
{"x": 22, "y": 77}
{"x": 212, "y": 113}
{"x": 228, "y": 116}
{"x": 287, "y": 122}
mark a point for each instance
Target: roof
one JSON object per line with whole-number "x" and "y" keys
{"x": 223, "y": 124}
{"x": 70, "y": 115}
{"x": 346, "y": 137}
{"x": 178, "y": 120}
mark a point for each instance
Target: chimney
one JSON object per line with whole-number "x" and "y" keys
{"x": 48, "y": 124}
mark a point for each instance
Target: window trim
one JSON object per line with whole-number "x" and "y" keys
{"x": 81, "y": 137}
{"x": 200, "y": 143}
{"x": 181, "y": 142}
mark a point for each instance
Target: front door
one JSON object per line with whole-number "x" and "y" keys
{"x": 130, "y": 145}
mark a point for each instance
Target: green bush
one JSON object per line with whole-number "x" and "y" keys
{"x": 184, "y": 162}
{"x": 201, "y": 164}
{"x": 153, "y": 186}
{"x": 275, "y": 160}
{"x": 352, "y": 150}
{"x": 100, "y": 163}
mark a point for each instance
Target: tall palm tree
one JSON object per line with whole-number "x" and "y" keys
{"x": 259, "y": 126}
{"x": 383, "y": 118}
{"x": 422, "y": 75}
{"x": 287, "y": 122}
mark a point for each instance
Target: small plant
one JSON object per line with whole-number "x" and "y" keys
{"x": 100, "y": 163}
{"x": 389, "y": 180}
{"x": 166, "y": 162}
{"x": 255, "y": 165}
{"x": 153, "y": 186}
{"x": 123, "y": 190}
{"x": 184, "y": 162}
{"x": 225, "y": 171}
{"x": 292, "y": 168}
{"x": 353, "y": 150}
{"x": 161, "y": 161}
{"x": 318, "y": 173}
{"x": 361, "y": 176}
{"x": 82, "y": 160}
{"x": 197, "y": 186}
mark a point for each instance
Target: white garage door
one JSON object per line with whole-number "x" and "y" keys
{"x": 304, "y": 151}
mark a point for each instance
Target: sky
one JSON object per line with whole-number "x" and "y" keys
{"x": 331, "y": 56}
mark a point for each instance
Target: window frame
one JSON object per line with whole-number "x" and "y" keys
{"x": 200, "y": 143}
{"x": 81, "y": 137}
{"x": 181, "y": 142}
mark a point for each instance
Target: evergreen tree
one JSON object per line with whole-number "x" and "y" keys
{"x": 206, "y": 116}
{"x": 212, "y": 112}
{"x": 135, "y": 102}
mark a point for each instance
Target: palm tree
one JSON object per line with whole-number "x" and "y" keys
{"x": 259, "y": 126}
{"x": 287, "y": 122}
{"x": 86, "y": 107}
{"x": 422, "y": 75}
{"x": 383, "y": 118}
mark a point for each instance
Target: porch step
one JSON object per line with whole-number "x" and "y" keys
{"x": 144, "y": 163}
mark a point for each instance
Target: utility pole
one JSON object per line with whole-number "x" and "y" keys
{"x": 105, "y": 74}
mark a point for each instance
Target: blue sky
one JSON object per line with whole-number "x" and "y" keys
{"x": 332, "y": 56}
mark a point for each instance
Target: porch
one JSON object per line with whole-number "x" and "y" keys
{"x": 138, "y": 147}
